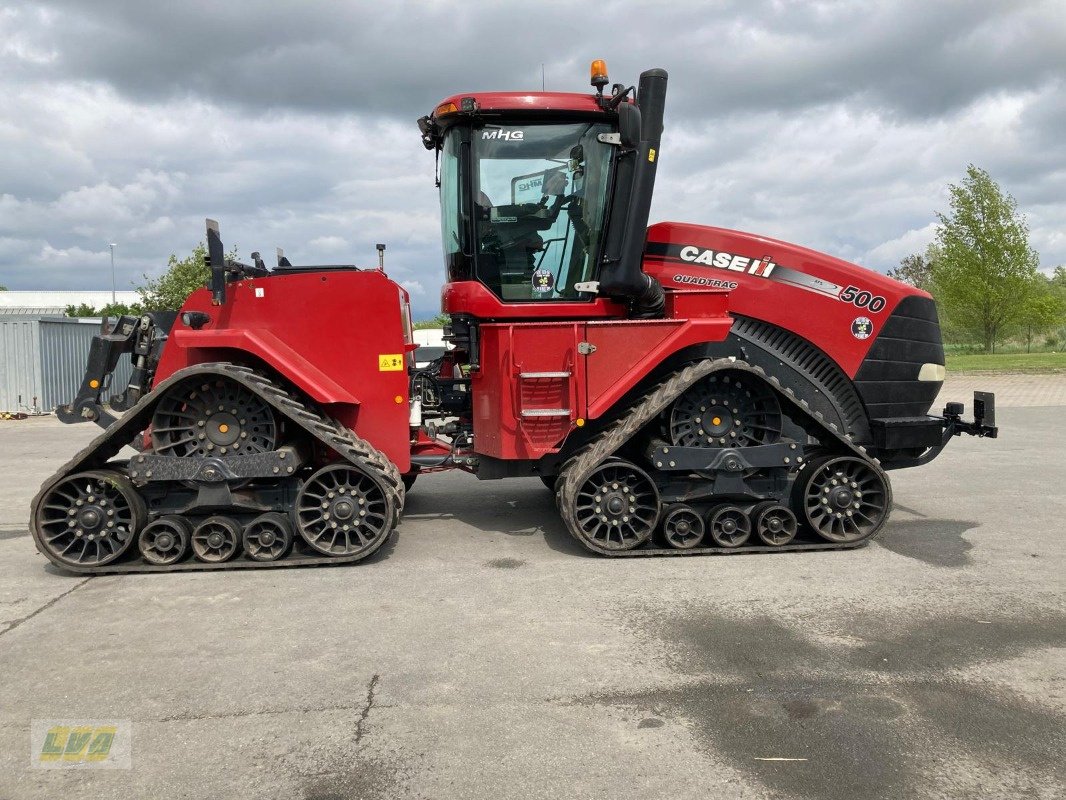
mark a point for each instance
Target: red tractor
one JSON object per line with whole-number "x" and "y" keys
{"x": 682, "y": 389}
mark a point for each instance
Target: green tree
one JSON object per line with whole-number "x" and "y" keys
{"x": 183, "y": 276}
{"x": 1044, "y": 309}
{"x": 110, "y": 310}
{"x": 987, "y": 271}
{"x": 916, "y": 269}
{"x": 3, "y": 288}
{"x": 438, "y": 321}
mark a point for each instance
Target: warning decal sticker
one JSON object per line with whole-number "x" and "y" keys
{"x": 390, "y": 362}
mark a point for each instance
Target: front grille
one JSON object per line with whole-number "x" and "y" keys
{"x": 887, "y": 379}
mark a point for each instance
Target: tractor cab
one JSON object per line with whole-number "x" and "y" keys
{"x": 537, "y": 192}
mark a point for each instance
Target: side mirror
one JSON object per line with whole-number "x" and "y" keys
{"x": 629, "y": 125}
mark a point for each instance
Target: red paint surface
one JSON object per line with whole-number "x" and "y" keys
{"x": 322, "y": 331}
{"x": 823, "y": 320}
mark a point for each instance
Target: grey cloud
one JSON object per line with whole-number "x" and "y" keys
{"x": 837, "y": 125}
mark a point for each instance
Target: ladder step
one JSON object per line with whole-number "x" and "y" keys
{"x": 544, "y": 375}
{"x": 546, "y": 412}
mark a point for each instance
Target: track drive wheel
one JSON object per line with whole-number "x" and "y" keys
{"x": 89, "y": 519}
{"x": 212, "y": 416}
{"x": 843, "y": 498}
{"x": 725, "y": 409}
{"x": 216, "y": 539}
{"x": 774, "y": 523}
{"x": 617, "y": 507}
{"x": 729, "y": 526}
{"x": 268, "y": 537}
{"x": 682, "y": 527}
{"x": 165, "y": 540}
{"x": 342, "y": 511}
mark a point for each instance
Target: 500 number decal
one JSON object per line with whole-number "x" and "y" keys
{"x": 862, "y": 298}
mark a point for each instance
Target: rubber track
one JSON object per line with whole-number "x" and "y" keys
{"x": 355, "y": 450}
{"x": 577, "y": 470}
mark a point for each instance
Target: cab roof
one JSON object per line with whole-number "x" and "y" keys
{"x": 525, "y": 101}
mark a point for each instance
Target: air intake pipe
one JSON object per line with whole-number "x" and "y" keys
{"x": 622, "y": 274}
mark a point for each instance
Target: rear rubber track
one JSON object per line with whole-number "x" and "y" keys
{"x": 577, "y": 469}
{"x": 345, "y": 443}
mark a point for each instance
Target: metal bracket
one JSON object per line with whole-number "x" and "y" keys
{"x": 593, "y": 287}
{"x": 728, "y": 459}
{"x": 610, "y": 138}
{"x": 586, "y": 348}
{"x": 148, "y": 468}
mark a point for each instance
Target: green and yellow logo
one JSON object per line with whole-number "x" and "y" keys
{"x": 83, "y": 743}
{"x": 65, "y": 744}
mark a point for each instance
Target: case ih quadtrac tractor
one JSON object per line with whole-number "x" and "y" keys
{"x": 681, "y": 389}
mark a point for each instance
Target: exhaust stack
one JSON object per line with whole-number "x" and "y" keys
{"x": 622, "y": 274}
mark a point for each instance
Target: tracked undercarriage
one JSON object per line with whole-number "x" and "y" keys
{"x": 722, "y": 477}
{"x": 238, "y": 472}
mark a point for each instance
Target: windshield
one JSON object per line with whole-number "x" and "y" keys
{"x": 537, "y": 201}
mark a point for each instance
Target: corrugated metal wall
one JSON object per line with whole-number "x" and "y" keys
{"x": 20, "y": 362}
{"x": 46, "y": 358}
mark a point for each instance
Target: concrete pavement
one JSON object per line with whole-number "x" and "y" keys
{"x": 482, "y": 655}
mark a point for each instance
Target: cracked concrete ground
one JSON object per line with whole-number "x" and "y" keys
{"x": 482, "y": 655}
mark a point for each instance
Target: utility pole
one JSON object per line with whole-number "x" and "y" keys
{"x": 112, "y": 246}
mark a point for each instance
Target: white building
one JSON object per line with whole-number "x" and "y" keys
{"x": 49, "y": 303}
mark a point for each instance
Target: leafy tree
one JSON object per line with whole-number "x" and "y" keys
{"x": 3, "y": 288}
{"x": 1043, "y": 310}
{"x": 1058, "y": 278}
{"x": 987, "y": 270}
{"x": 110, "y": 310}
{"x": 438, "y": 321}
{"x": 182, "y": 277}
{"x": 916, "y": 269}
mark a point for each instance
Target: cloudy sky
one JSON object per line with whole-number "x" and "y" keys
{"x": 837, "y": 125}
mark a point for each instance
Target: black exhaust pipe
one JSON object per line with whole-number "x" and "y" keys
{"x": 622, "y": 275}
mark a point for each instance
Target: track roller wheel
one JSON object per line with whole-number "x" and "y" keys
{"x": 843, "y": 498}
{"x": 682, "y": 527}
{"x": 774, "y": 523}
{"x": 617, "y": 506}
{"x": 729, "y": 526}
{"x": 268, "y": 537}
{"x": 216, "y": 539}
{"x": 342, "y": 511}
{"x": 165, "y": 540}
{"x": 90, "y": 518}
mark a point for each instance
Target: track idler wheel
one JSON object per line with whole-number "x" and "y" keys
{"x": 843, "y": 498}
{"x": 617, "y": 507}
{"x": 216, "y": 539}
{"x": 729, "y": 526}
{"x": 682, "y": 528}
{"x": 268, "y": 537}
{"x": 774, "y": 523}
{"x": 165, "y": 540}
{"x": 90, "y": 519}
{"x": 342, "y": 511}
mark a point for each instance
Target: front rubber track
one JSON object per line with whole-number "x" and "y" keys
{"x": 578, "y": 468}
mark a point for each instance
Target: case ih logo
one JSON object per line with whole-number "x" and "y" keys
{"x": 499, "y": 133}
{"x": 724, "y": 260}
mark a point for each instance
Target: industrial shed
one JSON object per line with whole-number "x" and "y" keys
{"x": 42, "y": 361}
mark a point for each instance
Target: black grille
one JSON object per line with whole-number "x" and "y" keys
{"x": 887, "y": 379}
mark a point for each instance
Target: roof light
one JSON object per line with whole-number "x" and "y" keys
{"x": 444, "y": 108}
{"x": 598, "y": 72}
